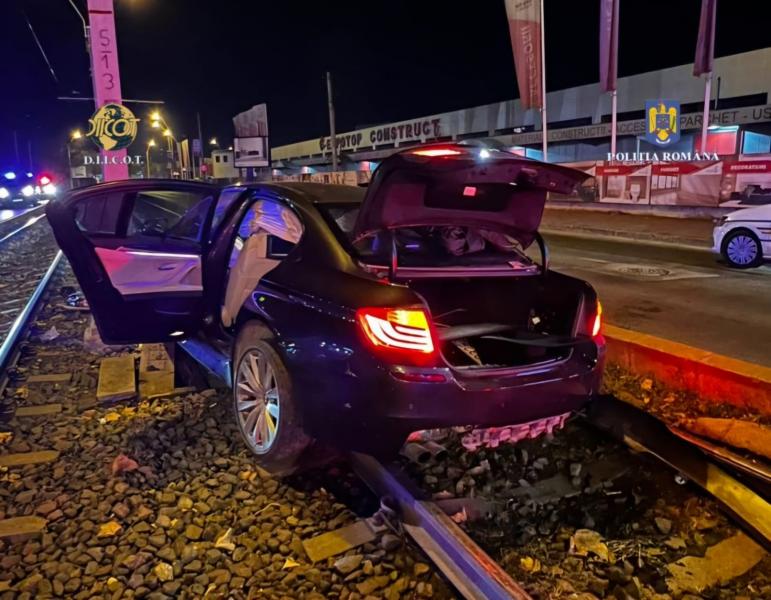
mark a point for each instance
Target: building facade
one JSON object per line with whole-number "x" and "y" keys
{"x": 579, "y": 121}
{"x": 222, "y": 166}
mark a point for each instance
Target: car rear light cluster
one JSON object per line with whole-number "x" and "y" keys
{"x": 437, "y": 152}
{"x": 597, "y": 321}
{"x": 404, "y": 333}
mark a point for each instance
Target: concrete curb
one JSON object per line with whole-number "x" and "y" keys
{"x": 715, "y": 378}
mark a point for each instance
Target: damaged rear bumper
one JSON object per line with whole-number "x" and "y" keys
{"x": 374, "y": 409}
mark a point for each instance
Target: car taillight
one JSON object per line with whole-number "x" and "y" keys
{"x": 404, "y": 333}
{"x": 44, "y": 180}
{"x": 597, "y": 323}
{"x": 436, "y": 152}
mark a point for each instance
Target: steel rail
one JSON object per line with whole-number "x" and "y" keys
{"x": 19, "y": 324}
{"x": 30, "y": 216}
{"x": 644, "y": 432}
{"x": 474, "y": 574}
{"x": 751, "y": 467}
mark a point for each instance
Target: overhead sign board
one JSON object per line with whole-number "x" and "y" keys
{"x": 251, "y": 152}
{"x": 250, "y": 145}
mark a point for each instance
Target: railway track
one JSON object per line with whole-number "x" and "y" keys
{"x": 569, "y": 513}
{"x": 614, "y": 505}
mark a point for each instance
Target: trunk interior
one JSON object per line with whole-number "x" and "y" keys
{"x": 503, "y": 322}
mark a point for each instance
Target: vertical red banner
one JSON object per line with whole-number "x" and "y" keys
{"x": 608, "y": 44}
{"x": 525, "y": 29}
{"x": 106, "y": 76}
{"x": 705, "y": 43}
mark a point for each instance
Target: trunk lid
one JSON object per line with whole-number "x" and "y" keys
{"x": 460, "y": 185}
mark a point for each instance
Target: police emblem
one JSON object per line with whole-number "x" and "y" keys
{"x": 662, "y": 122}
{"x": 112, "y": 127}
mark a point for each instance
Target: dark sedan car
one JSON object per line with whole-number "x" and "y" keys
{"x": 343, "y": 315}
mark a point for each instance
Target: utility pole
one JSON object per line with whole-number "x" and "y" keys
{"x": 200, "y": 145}
{"x": 16, "y": 146}
{"x": 332, "y": 136}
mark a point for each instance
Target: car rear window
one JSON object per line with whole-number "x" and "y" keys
{"x": 426, "y": 246}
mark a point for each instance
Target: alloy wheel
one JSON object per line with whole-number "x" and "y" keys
{"x": 742, "y": 249}
{"x": 257, "y": 401}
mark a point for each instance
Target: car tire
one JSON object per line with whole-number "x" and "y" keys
{"x": 269, "y": 422}
{"x": 742, "y": 250}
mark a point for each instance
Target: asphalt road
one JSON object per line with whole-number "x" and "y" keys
{"x": 683, "y": 295}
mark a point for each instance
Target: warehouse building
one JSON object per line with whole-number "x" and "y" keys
{"x": 579, "y": 121}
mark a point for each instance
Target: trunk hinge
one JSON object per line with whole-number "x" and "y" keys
{"x": 394, "y": 263}
{"x": 544, "y": 252}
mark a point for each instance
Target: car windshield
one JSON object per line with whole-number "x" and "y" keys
{"x": 444, "y": 246}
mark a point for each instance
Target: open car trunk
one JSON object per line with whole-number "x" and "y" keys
{"x": 499, "y": 323}
{"x": 453, "y": 222}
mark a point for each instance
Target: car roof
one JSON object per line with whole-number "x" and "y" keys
{"x": 322, "y": 193}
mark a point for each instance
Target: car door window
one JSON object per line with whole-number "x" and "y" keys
{"x": 173, "y": 214}
{"x": 99, "y": 215}
{"x": 266, "y": 234}
{"x": 224, "y": 202}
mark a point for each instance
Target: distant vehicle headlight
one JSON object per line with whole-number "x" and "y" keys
{"x": 27, "y": 190}
{"x": 4, "y": 193}
{"x": 49, "y": 189}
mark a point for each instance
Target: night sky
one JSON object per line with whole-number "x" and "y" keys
{"x": 390, "y": 59}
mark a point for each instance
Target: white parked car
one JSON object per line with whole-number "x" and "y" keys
{"x": 743, "y": 237}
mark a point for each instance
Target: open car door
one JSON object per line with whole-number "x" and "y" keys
{"x": 465, "y": 186}
{"x": 136, "y": 248}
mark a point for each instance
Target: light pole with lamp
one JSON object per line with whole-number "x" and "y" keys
{"x": 74, "y": 136}
{"x": 158, "y": 122}
{"x": 173, "y": 142}
{"x": 150, "y": 144}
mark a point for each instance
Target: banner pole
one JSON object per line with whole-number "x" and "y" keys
{"x": 613, "y": 99}
{"x": 543, "y": 86}
{"x": 332, "y": 133}
{"x": 705, "y": 117}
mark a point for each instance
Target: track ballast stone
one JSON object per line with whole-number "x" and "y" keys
{"x": 160, "y": 499}
{"x": 576, "y": 515}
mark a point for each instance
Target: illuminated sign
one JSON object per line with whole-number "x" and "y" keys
{"x": 113, "y": 127}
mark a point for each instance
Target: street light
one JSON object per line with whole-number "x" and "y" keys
{"x": 150, "y": 144}
{"x": 157, "y": 122}
{"x": 213, "y": 141}
{"x": 76, "y": 135}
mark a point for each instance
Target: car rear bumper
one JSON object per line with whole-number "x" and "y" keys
{"x": 375, "y": 411}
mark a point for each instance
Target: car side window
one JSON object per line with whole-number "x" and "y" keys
{"x": 224, "y": 202}
{"x": 99, "y": 215}
{"x": 174, "y": 214}
{"x": 266, "y": 234}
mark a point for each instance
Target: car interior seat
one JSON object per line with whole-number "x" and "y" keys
{"x": 253, "y": 263}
